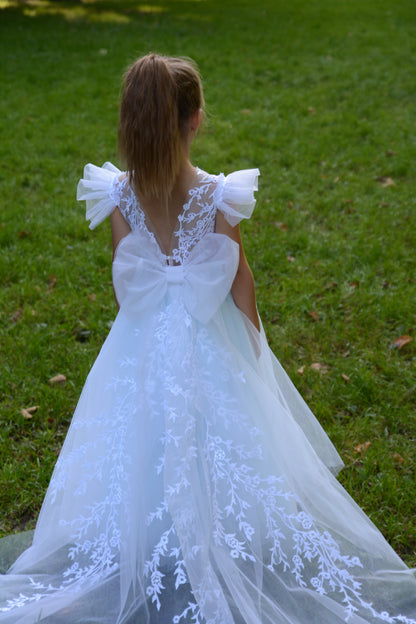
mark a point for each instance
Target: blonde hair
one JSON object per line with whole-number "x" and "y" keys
{"x": 160, "y": 95}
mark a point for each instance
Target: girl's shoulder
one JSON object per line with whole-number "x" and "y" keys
{"x": 107, "y": 187}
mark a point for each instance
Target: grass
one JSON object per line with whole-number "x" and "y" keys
{"x": 320, "y": 96}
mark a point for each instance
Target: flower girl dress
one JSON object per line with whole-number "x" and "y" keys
{"x": 195, "y": 486}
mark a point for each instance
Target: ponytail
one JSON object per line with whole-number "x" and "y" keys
{"x": 160, "y": 94}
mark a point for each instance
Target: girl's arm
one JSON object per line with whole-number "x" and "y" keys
{"x": 119, "y": 229}
{"x": 242, "y": 290}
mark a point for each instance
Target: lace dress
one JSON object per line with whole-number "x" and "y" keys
{"x": 195, "y": 486}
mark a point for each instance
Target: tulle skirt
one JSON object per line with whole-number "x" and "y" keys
{"x": 195, "y": 486}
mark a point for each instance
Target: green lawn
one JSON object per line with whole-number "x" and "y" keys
{"x": 320, "y": 96}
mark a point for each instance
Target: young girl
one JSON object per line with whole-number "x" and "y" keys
{"x": 194, "y": 486}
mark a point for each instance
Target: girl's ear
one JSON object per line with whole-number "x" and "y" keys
{"x": 196, "y": 119}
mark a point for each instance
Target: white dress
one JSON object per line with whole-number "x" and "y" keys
{"x": 195, "y": 486}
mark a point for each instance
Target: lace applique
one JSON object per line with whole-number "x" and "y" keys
{"x": 195, "y": 220}
{"x": 208, "y": 499}
{"x": 197, "y": 399}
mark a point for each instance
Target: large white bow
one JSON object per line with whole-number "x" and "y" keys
{"x": 141, "y": 279}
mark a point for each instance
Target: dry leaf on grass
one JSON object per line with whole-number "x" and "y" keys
{"x": 345, "y": 377}
{"x": 17, "y": 315}
{"x": 301, "y": 370}
{"x": 331, "y": 286}
{"x": 27, "y": 412}
{"x": 281, "y": 226}
{"x": 361, "y": 448}
{"x": 314, "y": 315}
{"x": 318, "y": 366}
{"x": 401, "y": 342}
{"x": 52, "y": 282}
{"x": 58, "y": 379}
{"x": 386, "y": 181}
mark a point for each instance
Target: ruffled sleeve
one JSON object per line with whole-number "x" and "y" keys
{"x": 97, "y": 188}
{"x": 234, "y": 194}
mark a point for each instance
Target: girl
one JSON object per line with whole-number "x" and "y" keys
{"x": 194, "y": 484}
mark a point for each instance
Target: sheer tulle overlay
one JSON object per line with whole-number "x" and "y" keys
{"x": 195, "y": 485}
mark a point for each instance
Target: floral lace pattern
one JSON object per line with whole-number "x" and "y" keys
{"x": 178, "y": 394}
{"x": 195, "y": 220}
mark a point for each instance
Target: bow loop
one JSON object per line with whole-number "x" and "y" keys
{"x": 141, "y": 280}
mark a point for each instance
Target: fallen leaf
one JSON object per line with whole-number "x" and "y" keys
{"x": 331, "y": 286}
{"x": 311, "y": 110}
{"x": 398, "y": 458}
{"x": 390, "y": 153}
{"x": 27, "y": 412}
{"x": 346, "y": 353}
{"x": 290, "y": 204}
{"x": 281, "y": 226}
{"x": 386, "y": 181}
{"x": 354, "y": 284}
{"x": 345, "y": 377}
{"x": 291, "y": 258}
{"x": 17, "y": 315}
{"x": 92, "y": 297}
{"x": 301, "y": 370}
{"x": 58, "y": 379}
{"x": 314, "y": 315}
{"x": 401, "y": 342}
{"x": 23, "y": 234}
{"x": 318, "y": 366}
{"x": 361, "y": 448}
{"x": 52, "y": 282}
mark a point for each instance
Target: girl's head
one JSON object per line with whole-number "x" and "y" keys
{"x": 159, "y": 109}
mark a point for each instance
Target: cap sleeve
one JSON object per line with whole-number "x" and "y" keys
{"x": 97, "y": 188}
{"x": 234, "y": 195}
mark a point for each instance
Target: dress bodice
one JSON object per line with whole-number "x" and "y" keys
{"x": 196, "y": 218}
{"x": 199, "y": 266}
{"x": 105, "y": 188}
